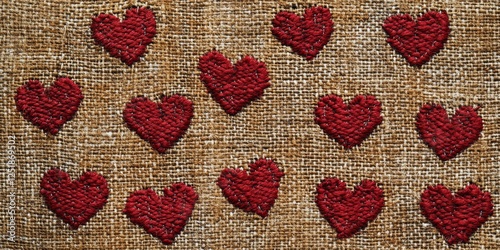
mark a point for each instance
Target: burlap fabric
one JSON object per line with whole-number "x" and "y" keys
{"x": 48, "y": 39}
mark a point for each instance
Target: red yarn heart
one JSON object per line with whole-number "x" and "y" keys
{"x": 233, "y": 87}
{"x": 75, "y": 202}
{"x": 307, "y": 35}
{"x": 418, "y": 40}
{"x": 160, "y": 124}
{"x": 163, "y": 217}
{"x": 448, "y": 137}
{"x": 127, "y": 39}
{"x": 348, "y": 211}
{"x": 49, "y": 108}
{"x": 457, "y": 216}
{"x": 254, "y": 192}
{"x": 349, "y": 124}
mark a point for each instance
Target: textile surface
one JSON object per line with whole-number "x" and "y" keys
{"x": 49, "y": 39}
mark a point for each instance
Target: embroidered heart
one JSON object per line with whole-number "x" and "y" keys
{"x": 75, "y": 202}
{"x": 348, "y": 211}
{"x": 233, "y": 87}
{"x": 307, "y": 35}
{"x": 349, "y": 124}
{"x": 160, "y": 124}
{"x": 163, "y": 217}
{"x": 457, "y": 216}
{"x": 448, "y": 137}
{"x": 127, "y": 39}
{"x": 49, "y": 109}
{"x": 418, "y": 40}
{"x": 254, "y": 192}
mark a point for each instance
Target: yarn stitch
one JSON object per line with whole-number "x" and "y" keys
{"x": 254, "y": 192}
{"x": 160, "y": 124}
{"x": 233, "y": 87}
{"x": 163, "y": 217}
{"x": 75, "y": 202}
{"x": 127, "y": 39}
{"x": 349, "y": 124}
{"x": 307, "y": 35}
{"x": 448, "y": 137}
{"x": 418, "y": 40}
{"x": 456, "y": 216}
{"x": 348, "y": 211}
{"x": 49, "y": 109}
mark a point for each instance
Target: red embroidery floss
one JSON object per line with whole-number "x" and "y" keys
{"x": 49, "y": 109}
{"x": 448, "y": 137}
{"x": 307, "y": 35}
{"x": 348, "y": 211}
{"x": 125, "y": 39}
{"x": 163, "y": 217}
{"x": 456, "y": 216}
{"x": 75, "y": 202}
{"x": 418, "y": 40}
{"x": 160, "y": 124}
{"x": 254, "y": 192}
{"x": 233, "y": 86}
{"x": 349, "y": 124}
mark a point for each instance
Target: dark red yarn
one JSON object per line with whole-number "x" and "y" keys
{"x": 254, "y": 192}
{"x": 160, "y": 124}
{"x": 457, "y": 216}
{"x": 307, "y": 35}
{"x": 75, "y": 202}
{"x": 448, "y": 137}
{"x": 348, "y": 211}
{"x": 127, "y": 39}
{"x": 349, "y": 124}
{"x": 418, "y": 40}
{"x": 163, "y": 217}
{"x": 49, "y": 108}
{"x": 233, "y": 87}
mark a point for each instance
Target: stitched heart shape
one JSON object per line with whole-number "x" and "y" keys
{"x": 456, "y": 216}
{"x": 349, "y": 124}
{"x": 160, "y": 124}
{"x": 49, "y": 109}
{"x": 233, "y": 86}
{"x": 125, "y": 39}
{"x": 163, "y": 217}
{"x": 348, "y": 211}
{"x": 75, "y": 202}
{"x": 418, "y": 40}
{"x": 448, "y": 137}
{"x": 254, "y": 192}
{"x": 306, "y": 35}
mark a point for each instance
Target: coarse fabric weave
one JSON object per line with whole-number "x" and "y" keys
{"x": 48, "y": 39}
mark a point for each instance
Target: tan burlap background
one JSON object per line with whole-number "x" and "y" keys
{"x": 50, "y": 38}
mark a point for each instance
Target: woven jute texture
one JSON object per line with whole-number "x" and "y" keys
{"x": 48, "y": 39}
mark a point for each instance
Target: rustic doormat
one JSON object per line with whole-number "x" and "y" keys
{"x": 250, "y": 124}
